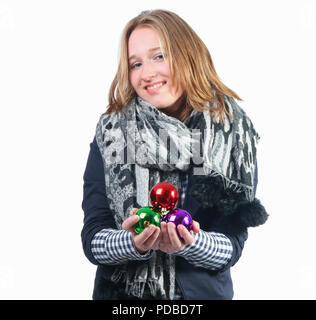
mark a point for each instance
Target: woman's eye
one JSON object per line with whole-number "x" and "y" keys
{"x": 136, "y": 65}
{"x": 159, "y": 57}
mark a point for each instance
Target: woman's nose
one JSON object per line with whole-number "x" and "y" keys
{"x": 149, "y": 71}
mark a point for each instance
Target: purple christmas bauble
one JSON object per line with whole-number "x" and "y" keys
{"x": 179, "y": 216}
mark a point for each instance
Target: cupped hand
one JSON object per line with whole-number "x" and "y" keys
{"x": 169, "y": 240}
{"x": 144, "y": 241}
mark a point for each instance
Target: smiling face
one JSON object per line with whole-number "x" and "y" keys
{"x": 149, "y": 71}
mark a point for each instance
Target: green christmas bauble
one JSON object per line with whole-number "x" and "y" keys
{"x": 147, "y": 216}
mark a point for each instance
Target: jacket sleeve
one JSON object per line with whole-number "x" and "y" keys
{"x": 238, "y": 239}
{"x": 209, "y": 250}
{"x": 238, "y": 242}
{"x": 214, "y": 220}
{"x": 97, "y": 214}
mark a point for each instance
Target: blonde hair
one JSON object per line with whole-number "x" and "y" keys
{"x": 190, "y": 65}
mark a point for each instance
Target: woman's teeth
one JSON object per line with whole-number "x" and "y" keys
{"x": 155, "y": 86}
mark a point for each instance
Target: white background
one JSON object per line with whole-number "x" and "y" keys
{"x": 57, "y": 61}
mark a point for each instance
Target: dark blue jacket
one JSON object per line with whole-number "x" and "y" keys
{"x": 194, "y": 282}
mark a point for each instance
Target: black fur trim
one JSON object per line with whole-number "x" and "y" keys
{"x": 232, "y": 208}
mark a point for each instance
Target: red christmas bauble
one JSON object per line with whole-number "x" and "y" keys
{"x": 164, "y": 196}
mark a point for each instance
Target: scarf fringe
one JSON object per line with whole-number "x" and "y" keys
{"x": 153, "y": 287}
{"x": 118, "y": 275}
{"x": 135, "y": 288}
{"x": 239, "y": 188}
{"x": 233, "y": 185}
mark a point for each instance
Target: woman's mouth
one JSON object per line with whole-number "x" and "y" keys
{"x": 154, "y": 87}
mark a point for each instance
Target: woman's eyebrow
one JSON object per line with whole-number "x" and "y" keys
{"x": 150, "y": 50}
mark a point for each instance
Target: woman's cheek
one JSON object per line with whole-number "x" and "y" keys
{"x": 134, "y": 80}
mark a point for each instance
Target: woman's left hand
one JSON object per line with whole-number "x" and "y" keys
{"x": 169, "y": 241}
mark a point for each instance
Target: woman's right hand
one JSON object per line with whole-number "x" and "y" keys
{"x": 144, "y": 241}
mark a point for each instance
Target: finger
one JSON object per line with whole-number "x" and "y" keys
{"x": 164, "y": 243}
{"x": 158, "y": 242}
{"x": 188, "y": 237}
{"x": 159, "y": 235}
{"x": 173, "y": 236}
{"x": 196, "y": 227}
{"x": 151, "y": 240}
{"x": 129, "y": 223}
{"x": 140, "y": 239}
{"x": 133, "y": 211}
{"x": 164, "y": 233}
{"x": 147, "y": 239}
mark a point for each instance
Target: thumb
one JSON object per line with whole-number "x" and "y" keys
{"x": 129, "y": 222}
{"x": 133, "y": 211}
{"x": 196, "y": 227}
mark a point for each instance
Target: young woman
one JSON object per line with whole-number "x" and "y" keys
{"x": 169, "y": 119}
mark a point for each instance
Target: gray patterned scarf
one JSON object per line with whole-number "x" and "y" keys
{"x": 142, "y": 146}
